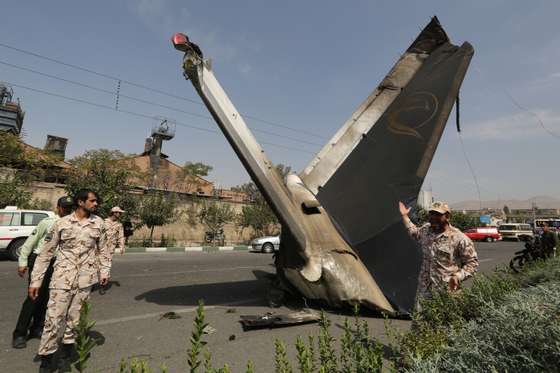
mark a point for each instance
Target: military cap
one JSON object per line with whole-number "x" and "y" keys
{"x": 65, "y": 201}
{"x": 440, "y": 207}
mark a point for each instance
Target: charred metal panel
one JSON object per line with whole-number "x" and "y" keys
{"x": 388, "y": 166}
{"x": 333, "y": 154}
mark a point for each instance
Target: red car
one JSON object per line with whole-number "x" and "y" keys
{"x": 488, "y": 234}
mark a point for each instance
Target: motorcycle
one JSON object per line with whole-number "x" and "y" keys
{"x": 214, "y": 237}
{"x": 533, "y": 251}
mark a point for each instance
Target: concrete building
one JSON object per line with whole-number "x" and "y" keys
{"x": 425, "y": 199}
{"x": 11, "y": 114}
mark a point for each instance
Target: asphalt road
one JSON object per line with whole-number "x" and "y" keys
{"x": 128, "y": 317}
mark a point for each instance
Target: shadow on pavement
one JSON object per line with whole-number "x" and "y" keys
{"x": 213, "y": 294}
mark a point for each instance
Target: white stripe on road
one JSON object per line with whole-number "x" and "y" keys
{"x": 152, "y": 274}
{"x": 155, "y": 249}
{"x": 485, "y": 260}
{"x": 182, "y": 310}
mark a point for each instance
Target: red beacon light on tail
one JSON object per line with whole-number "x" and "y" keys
{"x": 180, "y": 41}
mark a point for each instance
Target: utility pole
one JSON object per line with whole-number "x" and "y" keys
{"x": 534, "y": 208}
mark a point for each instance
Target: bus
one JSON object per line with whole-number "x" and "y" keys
{"x": 553, "y": 223}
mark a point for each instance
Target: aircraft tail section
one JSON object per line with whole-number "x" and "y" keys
{"x": 388, "y": 161}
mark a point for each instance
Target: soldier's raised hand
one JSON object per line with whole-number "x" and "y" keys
{"x": 403, "y": 209}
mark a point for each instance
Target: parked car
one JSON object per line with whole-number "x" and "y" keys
{"x": 267, "y": 244}
{"x": 512, "y": 231}
{"x": 16, "y": 225}
{"x": 488, "y": 234}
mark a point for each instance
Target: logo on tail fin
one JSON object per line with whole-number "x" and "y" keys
{"x": 415, "y": 112}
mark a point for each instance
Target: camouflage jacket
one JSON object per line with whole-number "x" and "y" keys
{"x": 114, "y": 232}
{"x": 82, "y": 254}
{"x": 444, "y": 255}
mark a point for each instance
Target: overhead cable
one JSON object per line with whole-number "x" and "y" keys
{"x": 141, "y": 115}
{"x": 119, "y": 94}
{"x": 148, "y": 88}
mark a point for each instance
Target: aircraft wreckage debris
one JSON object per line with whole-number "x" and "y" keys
{"x": 272, "y": 320}
{"x": 343, "y": 240}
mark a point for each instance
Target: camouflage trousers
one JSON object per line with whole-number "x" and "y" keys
{"x": 64, "y": 306}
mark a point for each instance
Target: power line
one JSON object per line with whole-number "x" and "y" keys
{"x": 118, "y": 95}
{"x": 539, "y": 120}
{"x": 107, "y": 76}
{"x": 519, "y": 106}
{"x": 146, "y": 116}
{"x": 139, "y": 85}
{"x": 471, "y": 169}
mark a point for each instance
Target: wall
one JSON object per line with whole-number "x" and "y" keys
{"x": 47, "y": 191}
{"x": 184, "y": 233}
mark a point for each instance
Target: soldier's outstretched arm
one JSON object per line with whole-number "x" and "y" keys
{"x": 412, "y": 229}
{"x": 43, "y": 260}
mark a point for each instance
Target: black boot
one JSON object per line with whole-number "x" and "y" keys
{"x": 46, "y": 364}
{"x": 67, "y": 356}
{"x": 67, "y": 351}
{"x": 19, "y": 342}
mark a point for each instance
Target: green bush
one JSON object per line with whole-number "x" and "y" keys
{"x": 447, "y": 315}
{"x": 523, "y": 334}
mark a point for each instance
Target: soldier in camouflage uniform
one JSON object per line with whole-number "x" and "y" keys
{"x": 115, "y": 231}
{"x": 449, "y": 256}
{"x": 32, "y": 314}
{"x": 82, "y": 261}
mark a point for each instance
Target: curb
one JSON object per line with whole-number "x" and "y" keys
{"x": 186, "y": 249}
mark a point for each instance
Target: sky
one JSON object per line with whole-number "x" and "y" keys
{"x": 303, "y": 65}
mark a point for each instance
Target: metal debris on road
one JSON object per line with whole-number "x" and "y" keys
{"x": 170, "y": 315}
{"x": 272, "y": 320}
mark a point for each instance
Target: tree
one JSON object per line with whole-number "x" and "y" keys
{"x": 463, "y": 221}
{"x": 13, "y": 191}
{"x": 108, "y": 173}
{"x": 214, "y": 216}
{"x": 258, "y": 215}
{"x": 19, "y": 166}
{"x": 191, "y": 174}
{"x": 156, "y": 209}
{"x": 506, "y": 210}
{"x": 419, "y": 216}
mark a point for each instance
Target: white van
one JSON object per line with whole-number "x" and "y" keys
{"x": 16, "y": 225}
{"x": 512, "y": 231}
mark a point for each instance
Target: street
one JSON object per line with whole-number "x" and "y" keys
{"x": 128, "y": 317}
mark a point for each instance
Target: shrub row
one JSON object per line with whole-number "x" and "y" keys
{"x": 506, "y": 321}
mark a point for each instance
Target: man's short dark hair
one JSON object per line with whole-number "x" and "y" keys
{"x": 83, "y": 194}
